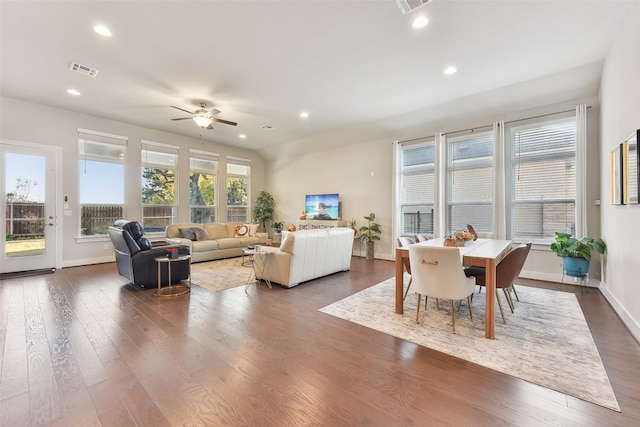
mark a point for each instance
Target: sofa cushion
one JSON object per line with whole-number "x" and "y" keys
{"x": 187, "y": 233}
{"x": 217, "y": 230}
{"x": 253, "y": 229}
{"x": 205, "y": 245}
{"x": 242, "y": 231}
{"x": 201, "y": 234}
{"x": 287, "y": 242}
{"x": 228, "y": 243}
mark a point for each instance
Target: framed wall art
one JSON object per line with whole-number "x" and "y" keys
{"x": 616, "y": 175}
{"x": 630, "y": 169}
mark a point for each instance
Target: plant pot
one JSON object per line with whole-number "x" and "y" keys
{"x": 576, "y": 267}
{"x": 370, "y": 251}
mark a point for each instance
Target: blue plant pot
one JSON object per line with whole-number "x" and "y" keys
{"x": 576, "y": 267}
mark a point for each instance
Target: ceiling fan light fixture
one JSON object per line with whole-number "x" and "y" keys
{"x": 203, "y": 121}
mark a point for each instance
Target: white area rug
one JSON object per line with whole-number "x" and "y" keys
{"x": 546, "y": 342}
{"x": 221, "y": 274}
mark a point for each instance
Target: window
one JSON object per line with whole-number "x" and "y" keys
{"x": 238, "y": 175}
{"x": 470, "y": 182}
{"x": 543, "y": 178}
{"x": 159, "y": 163}
{"x": 417, "y": 187}
{"x": 202, "y": 185}
{"x": 101, "y": 180}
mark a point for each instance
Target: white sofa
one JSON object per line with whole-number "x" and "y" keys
{"x": 305, "y": 255}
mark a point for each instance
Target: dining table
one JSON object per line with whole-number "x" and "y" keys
{"x": 485, "y": 253}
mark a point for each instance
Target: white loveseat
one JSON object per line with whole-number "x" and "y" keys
{"x": 305, "y": 255}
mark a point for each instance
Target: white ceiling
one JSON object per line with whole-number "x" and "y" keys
{"x": 347, "y": 63}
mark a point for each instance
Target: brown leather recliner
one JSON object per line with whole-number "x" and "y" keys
{"x": 135, "y": 256}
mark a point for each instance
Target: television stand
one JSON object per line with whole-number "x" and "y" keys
{"x": 314, "y": 224}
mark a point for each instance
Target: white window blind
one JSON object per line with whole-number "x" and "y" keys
{"x": 470, "y": 182}
{"x": 417, "y": 194}
{"x": 543, "y": 179}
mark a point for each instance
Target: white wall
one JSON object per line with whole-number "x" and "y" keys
{"x": 58, "y": 128}
{"x": 620, "y": 98}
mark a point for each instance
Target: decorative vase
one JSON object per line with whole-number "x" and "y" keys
{"x": 370, "y": 251}
{"x": 460, "y": 243}
{"x": 576, "y": 267}
{"x": 450, "y": 241}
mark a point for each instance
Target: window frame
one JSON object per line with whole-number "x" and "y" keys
{"x": 480, "y": 162}
{"x": 159, "y": 150}
{"x": 98, "y": 149}
{"x": 246, "y": 163}
{"x": 567, "y": 117}
{"x": 205, "y": 157}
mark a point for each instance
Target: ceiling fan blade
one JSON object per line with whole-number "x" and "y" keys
{"x": 183, "y": 118}
{"x": 209, "y": 127}
{"x": 215, "y": 111}
{"x": 226, "y": 122}
{"x": 182, "y": 109}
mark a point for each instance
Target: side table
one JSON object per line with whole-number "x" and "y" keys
{"x": 172, "y": 290}
{"x": 257, "y": 266}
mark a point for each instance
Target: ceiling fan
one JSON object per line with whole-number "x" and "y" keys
{"x": 203, "y": 117}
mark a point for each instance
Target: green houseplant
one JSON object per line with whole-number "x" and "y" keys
{"x": 576, "y": 253}
{"x": 264, "y": 209}
{"x": 353, "y": 224}
{"x": 370, "y": 233}
{"x": 277, "y": 226}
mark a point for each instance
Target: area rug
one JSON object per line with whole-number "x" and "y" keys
{"x": 221, "y": 274}
{"x": 546, "y": 341}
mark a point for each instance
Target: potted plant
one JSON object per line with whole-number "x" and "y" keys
{"x": 353, "y": 224}
{"x": 263, "y": 209}
{"x": 277, "y": 226}
{"x": 369, "y": 234}
{"x": 576, "y": 253}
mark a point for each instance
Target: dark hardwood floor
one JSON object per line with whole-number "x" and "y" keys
{"x": 81, "y": 347}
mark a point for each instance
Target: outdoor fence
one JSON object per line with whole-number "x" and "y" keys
{"x": 24, "y": 219}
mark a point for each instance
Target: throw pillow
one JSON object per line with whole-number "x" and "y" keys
{"x": 242, "y": 231}
{"x": 187, "y": 233}
{"x": 253, "y": 228}
{"x": 287, "y": 243}
{"x": 201, "y": 233}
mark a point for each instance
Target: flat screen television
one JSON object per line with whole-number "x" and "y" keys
{"x": 322, "y": 206}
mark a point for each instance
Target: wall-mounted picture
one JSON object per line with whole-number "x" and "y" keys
{"x": 630, "y": 169}
{"x": 616, "y": 175}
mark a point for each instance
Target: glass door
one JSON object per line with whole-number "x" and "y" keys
{"x": 28, "y": 184}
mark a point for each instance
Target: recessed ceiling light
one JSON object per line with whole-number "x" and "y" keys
{"x": 73, "y": 92}
{"x": 420, "y": 22}
{"x": 102, "y": 30}
{"x": 242, "y": 136}
{"x": 304, "y": 114}
{"x": 450, "y": 70}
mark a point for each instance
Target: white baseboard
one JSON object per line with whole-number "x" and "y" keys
{"x": 629, "y": 321}
{"x": 88, "y": 261}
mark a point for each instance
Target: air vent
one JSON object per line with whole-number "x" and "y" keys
{"x": 83, "y": 69}
{"x": 408, "y": 6}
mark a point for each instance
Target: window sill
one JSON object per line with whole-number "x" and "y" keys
{"x": 93, "y": 239}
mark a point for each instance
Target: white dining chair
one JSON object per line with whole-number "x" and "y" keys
{"x": 437, "y": 272}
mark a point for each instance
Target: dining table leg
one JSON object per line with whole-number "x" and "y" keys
{"x": 490, "y": 295}
{"x": 400, "y": 279}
